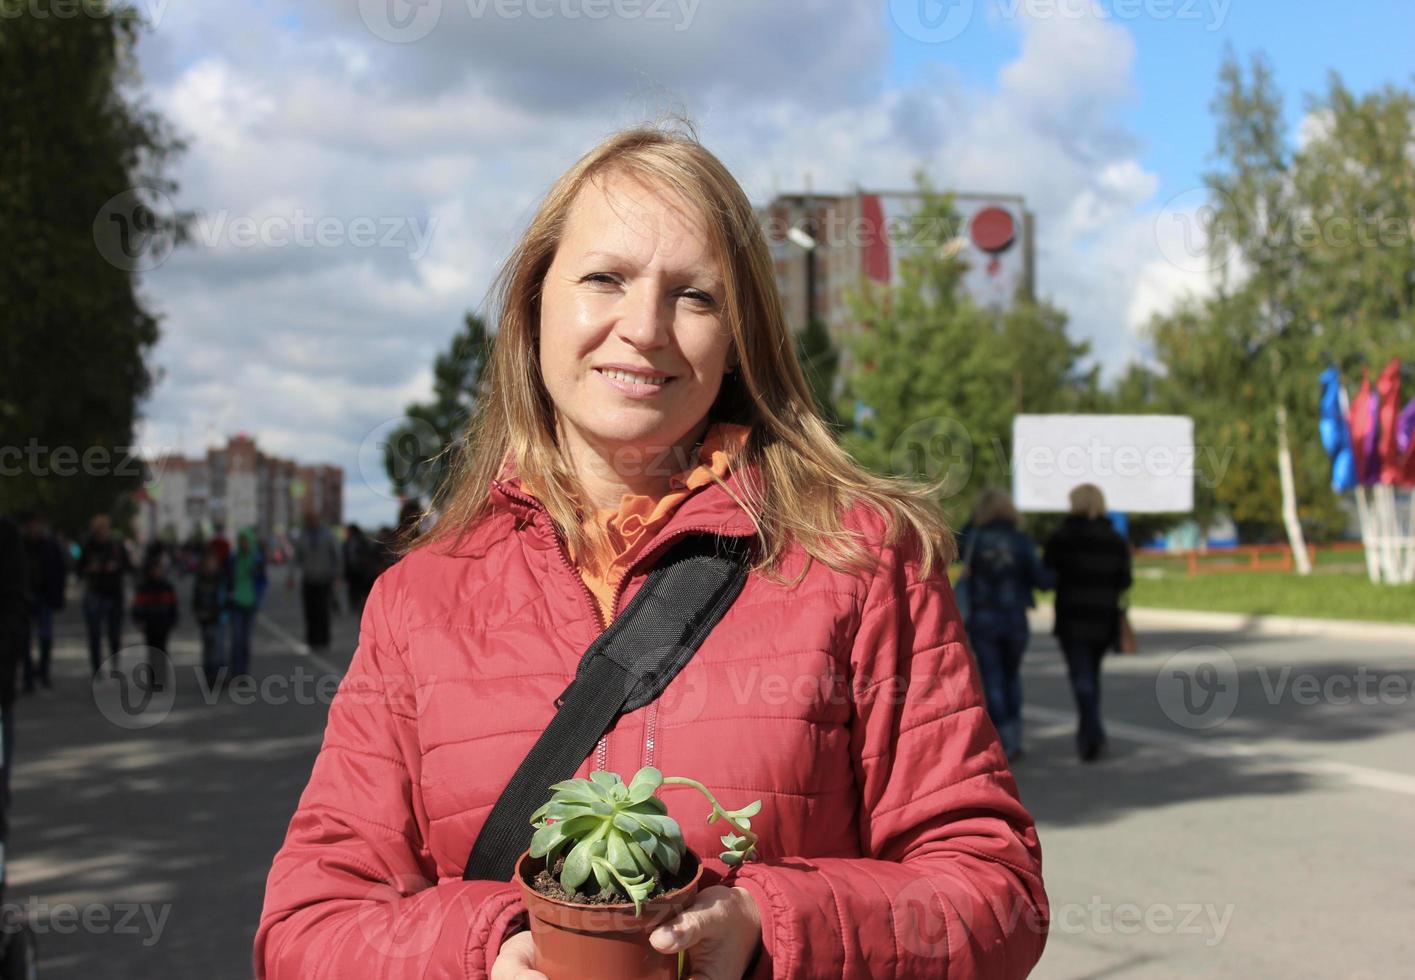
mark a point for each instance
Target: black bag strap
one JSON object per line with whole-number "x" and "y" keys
{"x": 628, "y": 666}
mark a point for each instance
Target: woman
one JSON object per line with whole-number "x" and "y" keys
{"x": 644, "y": 386}
{"x": 1092, "y": 564}
{"x": 245, "y": 587}
{"x": 1003, "y": 570}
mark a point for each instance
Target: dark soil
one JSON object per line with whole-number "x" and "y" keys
{"x": 548, "y": 884}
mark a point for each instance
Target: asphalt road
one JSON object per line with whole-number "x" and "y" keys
{"x": 1253, "y": 819}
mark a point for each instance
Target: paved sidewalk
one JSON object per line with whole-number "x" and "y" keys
{"x": 142, "y": 851}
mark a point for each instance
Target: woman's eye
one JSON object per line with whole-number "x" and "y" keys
{"x": 698, "y": 296}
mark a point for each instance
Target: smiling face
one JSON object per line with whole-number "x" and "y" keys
{"x": 633, "y": 334}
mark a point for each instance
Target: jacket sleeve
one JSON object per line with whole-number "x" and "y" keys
{"x": 950, "y": 881}
{"x": 353, "y": 891}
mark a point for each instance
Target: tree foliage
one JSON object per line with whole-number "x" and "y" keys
{"x": 942, "y": 378}
{"x": 79, "y": 155}
{"x": 1313, "y": 248}
{"x": 419, "y": 453}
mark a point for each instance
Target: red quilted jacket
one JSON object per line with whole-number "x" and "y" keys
{"x": 892, "y": 843}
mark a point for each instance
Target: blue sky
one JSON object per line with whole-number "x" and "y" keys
{"x": 1179, "y": 48}
{"x": 441, "y": 127}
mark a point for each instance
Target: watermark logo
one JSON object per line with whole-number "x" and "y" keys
{"x": 395, "y": 458}
{"x": 135, "y": 688}
{"x": 936, "y": 450}
{"x": 135, "y": 231}
{"x": 400, "y": 21}
{"x": 932, "y": 21}
{"x": 1197, "y": 688}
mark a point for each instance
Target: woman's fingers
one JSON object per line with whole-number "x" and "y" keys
{"x": 516, "y": 961}
{"x": 701, "y": 920}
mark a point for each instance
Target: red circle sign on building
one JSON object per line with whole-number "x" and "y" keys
{"x": 993, "y": 230}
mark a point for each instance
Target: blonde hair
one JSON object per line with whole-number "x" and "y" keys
{"x": 995, "y": 505}
{"x": 808, "y": 479}
{"x": 1088, "y": 501}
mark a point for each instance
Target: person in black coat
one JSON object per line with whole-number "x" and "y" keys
{"x": 1092, "y": 565}
{"x": 47, "y": 573}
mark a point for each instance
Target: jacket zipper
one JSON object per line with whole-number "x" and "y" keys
{"x": 651, "y": 718}
{"x": 601, "y": 752}
{"x": 602, "y": 749}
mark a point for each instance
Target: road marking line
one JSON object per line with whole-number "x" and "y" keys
{"x": 1393, "y": 782}
{"x": 299, "y": 647}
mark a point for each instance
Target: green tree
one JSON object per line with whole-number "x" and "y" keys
{"x": 82, "y": 165}
{"x": 1312, "y": 249}
{"x": 943, "y": 377}
{"x": 420, "y": 452}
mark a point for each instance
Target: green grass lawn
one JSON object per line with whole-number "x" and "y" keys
{"x": 1324, "y": 595}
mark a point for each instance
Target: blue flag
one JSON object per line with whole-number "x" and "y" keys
{"x": 1336, "y": 432}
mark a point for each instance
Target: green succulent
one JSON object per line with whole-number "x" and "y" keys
{"x": 622, "y": 834}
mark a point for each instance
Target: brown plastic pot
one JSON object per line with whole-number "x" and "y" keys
{"x": 601, "y": 942}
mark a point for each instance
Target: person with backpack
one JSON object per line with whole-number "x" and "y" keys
{"x": 1003, "y": 571}
{"x": 648, "y": 453}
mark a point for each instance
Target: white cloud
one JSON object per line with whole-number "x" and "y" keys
{"x": 303, "y": 111}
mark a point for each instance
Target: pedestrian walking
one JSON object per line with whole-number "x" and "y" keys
{"x": 155, "y": 610}
{"x": 361, "y": 566}
{"x": 1092, "y": 565}
{"x": 245, "y": 587}
{"x": 102, "y": 566}
{"x": 1003, "y": 571}
{"x": 317, "y": 565}
{"x": 210, "y": 612}
{"x": 45, "y": 560}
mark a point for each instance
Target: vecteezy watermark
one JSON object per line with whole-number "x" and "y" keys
{"x": 135, "y": 688}
{"x": 1101, "y": 918}
{"x": 1187, "y": 230}
{"x": 142, "y": 919}
{"x": 1365, "y": 687}
{"x": 301, "y": 229}
{"x": 1211, "y": 14}
{"x": 938, "y": 21}
{"x": 405, "y": 21}
{"x": 936, "y": 918}
{"x": 1107, "y": 459}
{"x": 37, "y": 459}
{"x": 137, "y": 230}
{"x": 1197, "y": 688}
{"x": 936, "y": 450}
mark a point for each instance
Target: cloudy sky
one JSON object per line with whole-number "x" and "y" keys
{"x": 361, "y": 166}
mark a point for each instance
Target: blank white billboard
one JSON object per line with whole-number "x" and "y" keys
{"x": 1143, "y": 463}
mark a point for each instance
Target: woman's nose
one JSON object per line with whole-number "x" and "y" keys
{"x": 645, "y": 320}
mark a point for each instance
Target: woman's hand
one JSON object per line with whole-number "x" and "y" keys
{"x": 516, "y": 959}
{"x": 720, "y": 931}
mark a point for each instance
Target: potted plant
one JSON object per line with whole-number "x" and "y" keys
{"x": 606, "y": 865}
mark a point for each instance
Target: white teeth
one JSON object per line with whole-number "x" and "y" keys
{"x": 638, "y": 379}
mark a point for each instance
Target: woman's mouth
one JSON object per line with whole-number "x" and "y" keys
{"x": 634, "y": 385}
